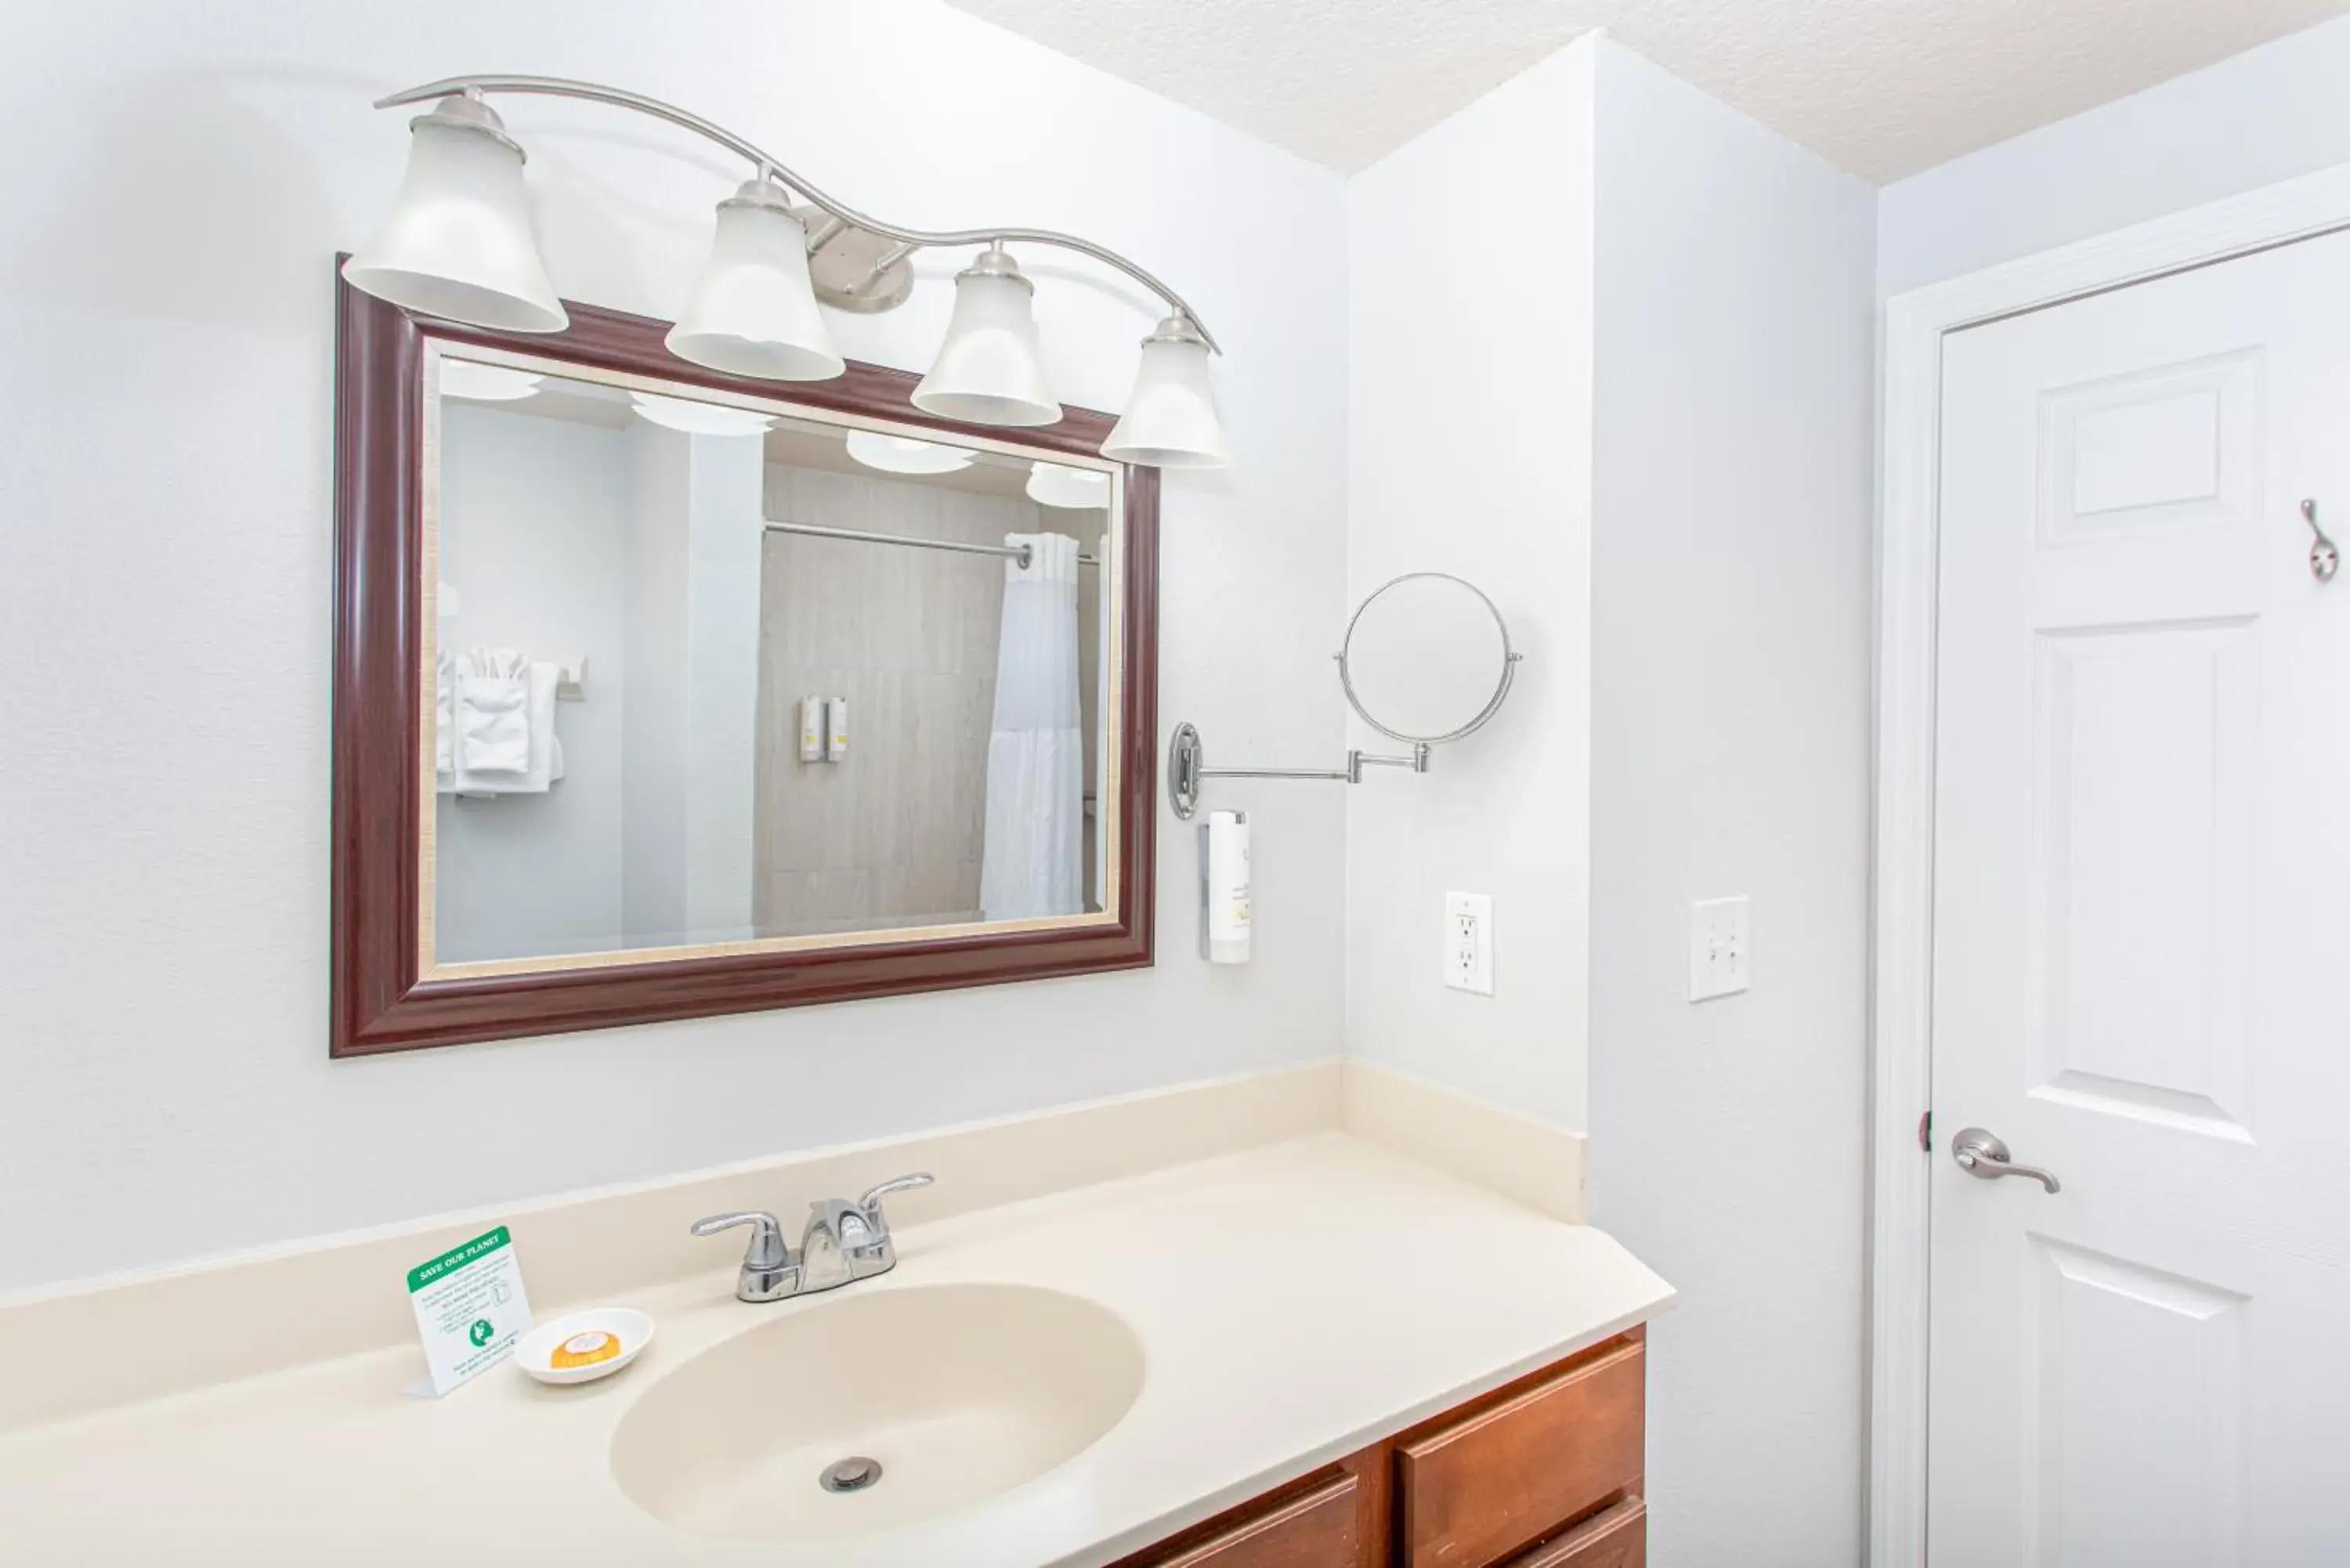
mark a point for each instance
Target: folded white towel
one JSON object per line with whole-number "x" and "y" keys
{"x": 494, "y": 713}
{"x": 542, "y": 750}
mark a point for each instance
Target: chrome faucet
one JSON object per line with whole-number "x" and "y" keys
{"x": 843, "y": 1242}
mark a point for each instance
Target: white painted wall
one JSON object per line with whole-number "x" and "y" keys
{"x": 166, "y": 387}
{"x": 1650, "y": 439}
{"x": 725, "y": 535}
{"x": 657, "y": 766}
{"x": 1730, "y": 675}
{"x": 2266, "y": 115}
{"x": 1470, "y": 451}
{"x": 533, "y": 524}
{"x": 696, "y": 525}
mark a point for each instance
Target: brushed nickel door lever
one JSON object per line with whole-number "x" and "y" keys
{"x": 1980, "y": 1153}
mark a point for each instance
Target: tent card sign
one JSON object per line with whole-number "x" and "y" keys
{"x": 470, "y": 1308}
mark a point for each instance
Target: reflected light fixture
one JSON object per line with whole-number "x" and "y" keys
{"x": 1059, "y": 484}
{"x": 486, "y": 383}
{"x": 906, "y": 454}
{"x": 755, "y": 313}
{"x": 1170, "y": 417}
{"x": 988, "y": 371}
{"x": 458, "y": 244}
{"x": 700, "y": 419}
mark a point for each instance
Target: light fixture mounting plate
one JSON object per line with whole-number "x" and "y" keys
{"x": 843, "y": 268}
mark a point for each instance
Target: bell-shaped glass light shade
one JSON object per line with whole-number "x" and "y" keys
{"x": 458, "y": 242}
{"x": 988, "y": 371}
{"x": 1170, "y": 420}
{"x": 486, "y": 383}
{"x": 905, "y": 454}
{"x": 1059, "y": 484}
{"x": 699, "y": 418}
{"x": 755, "y": 313}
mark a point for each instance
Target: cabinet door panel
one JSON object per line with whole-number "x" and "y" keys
{"x": 1475, "y": 1491}
{"x": 1319, "y": 1529}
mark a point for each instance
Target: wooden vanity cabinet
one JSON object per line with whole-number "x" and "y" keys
{"x": 1544, "y": 1472}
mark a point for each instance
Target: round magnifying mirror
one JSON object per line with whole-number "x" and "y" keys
{"x": 1427, "y": 659}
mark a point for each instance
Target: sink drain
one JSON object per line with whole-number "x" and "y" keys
{"x": 852, "y": 1474}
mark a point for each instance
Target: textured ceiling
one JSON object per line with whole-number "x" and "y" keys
{"x": 1881, "y": 88}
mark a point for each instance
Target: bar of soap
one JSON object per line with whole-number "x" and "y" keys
{"x": 585, "y": 1349}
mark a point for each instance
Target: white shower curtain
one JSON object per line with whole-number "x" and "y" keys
{"x": 1033, "y": 860}
{"x": 1105, "y": 593}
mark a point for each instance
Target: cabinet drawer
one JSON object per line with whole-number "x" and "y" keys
{"x": 1613, "y": 1538}
{"x": 1319, "y": 1529}
{"x": 1478, "y": 1489}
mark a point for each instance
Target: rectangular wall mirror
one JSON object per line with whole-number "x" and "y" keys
{"x": 664, "y": 693}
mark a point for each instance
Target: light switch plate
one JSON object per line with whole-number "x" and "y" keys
{"x": 1469, "y": 942}
{"x": 1717, "y": 941}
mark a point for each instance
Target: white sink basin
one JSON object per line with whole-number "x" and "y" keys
{"x": 959, "y": 1392}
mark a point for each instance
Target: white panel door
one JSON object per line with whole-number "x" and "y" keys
{"x": 2142, "y": 929}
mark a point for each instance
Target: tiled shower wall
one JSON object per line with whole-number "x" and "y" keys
{"x": 892, "y": 834}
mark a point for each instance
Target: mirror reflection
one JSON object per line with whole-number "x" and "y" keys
{"x": 707, "y": 674}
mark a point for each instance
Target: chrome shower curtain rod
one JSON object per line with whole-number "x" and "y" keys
{"x": 1020, "y": 552}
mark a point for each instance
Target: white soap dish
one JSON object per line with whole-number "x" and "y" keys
{"x": 581, "y": 1346}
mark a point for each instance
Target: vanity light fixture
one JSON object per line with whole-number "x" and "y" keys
{"x": 486, "y": 383}
{"x": 458, "y": 244}
{"x": 755, "y": 313}
{"x": 988, "y": 371}
{"x": 1170, "y": 418}
{"x": 699, "y": 418}
{"x": 905, "y": 454}
{"x": 1059, "y": 484}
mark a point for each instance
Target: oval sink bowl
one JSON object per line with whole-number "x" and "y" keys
{"x": 957, "y": 1392}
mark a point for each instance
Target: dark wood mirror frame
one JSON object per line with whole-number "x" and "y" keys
{"x": 380, "y": 1001}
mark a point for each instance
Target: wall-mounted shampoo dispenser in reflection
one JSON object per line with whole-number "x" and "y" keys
{"x": 811, "y": 728}
{"x": 836, "y": 722}
{"x": 1224, "y": 894}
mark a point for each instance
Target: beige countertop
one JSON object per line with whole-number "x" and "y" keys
{"x": 1294, "y": 1302}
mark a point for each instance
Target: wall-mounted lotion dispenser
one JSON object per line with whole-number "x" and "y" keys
{"x": 1224, "y": 888}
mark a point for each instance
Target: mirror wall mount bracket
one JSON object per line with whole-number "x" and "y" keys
{"x": 1187, "y": 769}
{"x": 859, "y": 262}
{"x": 1187, "y": 757}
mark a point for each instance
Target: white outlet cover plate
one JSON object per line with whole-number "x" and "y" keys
{"x": 1718, "y": 948}
{"x": 1469, "y": 942}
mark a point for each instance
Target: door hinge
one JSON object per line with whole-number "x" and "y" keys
{"x": 1926, "y": 1132}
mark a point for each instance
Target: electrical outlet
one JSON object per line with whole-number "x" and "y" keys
{"x": 1718, "y": 942}
{"x": 1469, "y": 942}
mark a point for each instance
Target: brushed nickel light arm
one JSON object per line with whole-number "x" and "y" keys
{"x": 839, "y": 212}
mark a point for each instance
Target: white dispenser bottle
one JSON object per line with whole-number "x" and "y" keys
{"x": 835, "y": 739}
{"x": 811, "y": 728}
{"x": 1225, "y": 892}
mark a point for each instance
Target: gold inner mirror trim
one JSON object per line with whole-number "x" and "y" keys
{"x": 829, "y": 941}
{"x": 1109, "y": 791}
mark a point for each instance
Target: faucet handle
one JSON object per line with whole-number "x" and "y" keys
{"x": 871, "y": 1201}
{"x": 767, "y": 1248}
{"x": 864, "y": 1229}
